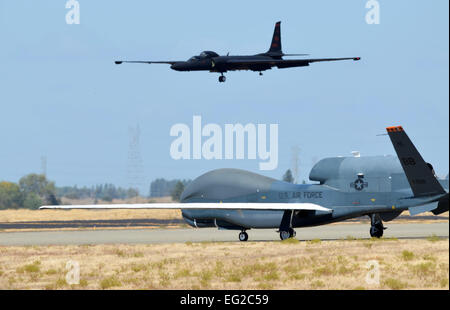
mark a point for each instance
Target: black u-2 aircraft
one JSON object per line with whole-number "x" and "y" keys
{"x": 213, "y": 62}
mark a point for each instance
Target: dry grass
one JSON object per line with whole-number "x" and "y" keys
{"x": 404, "y": 264}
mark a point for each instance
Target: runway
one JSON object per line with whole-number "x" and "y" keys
{"x": 104, "y": 224}
{"x": 148, "y": 236}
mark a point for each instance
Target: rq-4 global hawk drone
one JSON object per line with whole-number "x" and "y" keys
{"x": 213, "y": 62}
{"x": 381, "y": 187}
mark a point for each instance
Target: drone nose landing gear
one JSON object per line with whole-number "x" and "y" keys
{"x": 376, "y": 226}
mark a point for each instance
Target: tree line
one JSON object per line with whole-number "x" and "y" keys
{"x": 162, "y": 187}
{"x": 106, "y": 192}
{"x": 34, "y": 190}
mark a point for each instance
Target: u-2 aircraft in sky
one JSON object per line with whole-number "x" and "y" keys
{"x": 381, "y": 187}
{"x": 213, "y": 62}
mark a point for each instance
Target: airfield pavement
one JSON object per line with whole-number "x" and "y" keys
{"x": 149, "y": 236}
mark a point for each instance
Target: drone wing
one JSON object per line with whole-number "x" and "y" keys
{"x": 229, "y": 206}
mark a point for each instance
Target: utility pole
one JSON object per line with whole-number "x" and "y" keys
{"x": 135, "y": 171}
{"x": 295, "y": 162}
{"x": 44, "y": 166}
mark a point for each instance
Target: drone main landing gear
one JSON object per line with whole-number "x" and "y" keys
{"x": 286, "y": 230}
{"x": 243, "y": 236}
{"x": 222, "y": 78}
{"x": 377, "y": 227}
{"x": 290, "y": 233}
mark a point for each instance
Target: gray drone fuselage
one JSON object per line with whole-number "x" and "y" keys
{"x": 349, "y": 186}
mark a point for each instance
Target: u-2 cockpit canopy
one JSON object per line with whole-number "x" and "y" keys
{"x": 208, "y": 54}
{"x": 204, "y": 55}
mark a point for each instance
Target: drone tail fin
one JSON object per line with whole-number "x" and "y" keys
{"x": 419, "y": 173}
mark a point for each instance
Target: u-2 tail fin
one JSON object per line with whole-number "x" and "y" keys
{"x": 275, "y": 46}
{"x": 420, "y": 174}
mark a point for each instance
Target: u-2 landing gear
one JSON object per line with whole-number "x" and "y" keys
{"x": 376, "y": 228}
{"x": 243, "y": 236}
{"x": 222, "y": 78}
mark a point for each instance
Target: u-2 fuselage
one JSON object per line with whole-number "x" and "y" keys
{"x": 221, "y": 64}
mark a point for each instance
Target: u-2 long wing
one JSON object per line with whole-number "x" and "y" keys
{"x": 118, "y": 62}
{"x": 288, "y": 63}
{"x": 226, "y": 206}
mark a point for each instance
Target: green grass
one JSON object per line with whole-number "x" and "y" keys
{"x": 433, "y": 238}
{"x": 83, "y": 283}
{"x": 164, "y": 279}
{"x": 219, "y": 270}
{"x": 271, "y": 276}
{"x": 395, "y": 284}
{"x": 424, "y": 269}
{"x": 344, "y": 270}
{"x": 317, "y": 284}
{"x": 298, "y": 276}
{"x": 233, "y": 277}
{"x": 314, "y": 241}
{"x": 265, "y": 286}
{"x": 61, "y": 282}
{"x": 205, "y": 277}
{"x": 407, "y": 255}
{"x": 374, "y": 239}
{"x": 30, "y": 268}
{"x": 429, "y": 257}
{"x": 138, "y": 254}
{"x": 51, "y": 271}
{"x": 324, "y": 271}
{"x": 109, "y": 282}
{"x": 182, "y": 273}
{"x": 291, "y": 269}
{"x": 139, "y": 267}
{"x": 120, "y": 253}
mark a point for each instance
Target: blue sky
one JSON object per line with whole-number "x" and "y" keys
{"x": 62, "y": 97}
